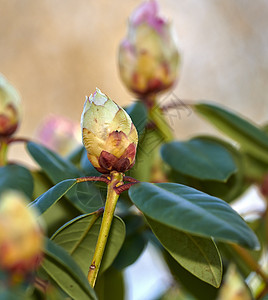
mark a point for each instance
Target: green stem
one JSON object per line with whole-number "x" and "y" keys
{"x": 3, "y": 152}
{"x": 156, "y": 115}
{"x": 111, "y": 200}
{"x": 251, "y": 262}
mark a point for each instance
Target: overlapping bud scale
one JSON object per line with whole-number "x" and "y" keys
{"x": 108, "y": 134}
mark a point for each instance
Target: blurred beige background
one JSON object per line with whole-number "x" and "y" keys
{"x": 56, "y": 52}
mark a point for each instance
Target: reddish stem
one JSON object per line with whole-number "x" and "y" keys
{"x": 103, "y": 178}
{"x": 13, "y": 140}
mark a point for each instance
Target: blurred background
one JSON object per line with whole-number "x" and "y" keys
{"x": 57, "y": 52}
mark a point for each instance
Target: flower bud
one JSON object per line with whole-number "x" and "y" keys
{"x": 148, "y": 56}
{"x": 21, "y": 239}
{"x": 59, "y": 134}
{"x": 9, "y": 108}
{"x": 108, "y": 133}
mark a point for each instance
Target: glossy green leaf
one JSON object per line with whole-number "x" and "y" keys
{"x": 251, "y": 138}
{"x": 85, "y": 197}
{"x": 192, "y": 211}
{"x": 110, "y": 285}
{"x": 16, "y": 177}
{"x": 79, "y": 236}
{"x": 198, "y": 288}
{"x": 46, "y": 200}
{"x": 138, "y": 114}
{"x": 54, "y": 166}
{"x": 199, "y": 158}
{"x": 198, "y": 255}
{"x": 60, "y": 266}
{"x": 229, "y": 190}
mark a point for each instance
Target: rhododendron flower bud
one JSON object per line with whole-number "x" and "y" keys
{"x": 21, "y": 238}
{"x": 9, "y": 108}
{"x": 59, "y": 134}
{"x": 148, "y": 56}
{"x": 108, "y": 133}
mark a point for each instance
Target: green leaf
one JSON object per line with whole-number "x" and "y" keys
{"x": 75, "y": 156}
{"x": 110, "y": 285}
{"x": 79, "y": 237}
{"x": 147, "y": 155}
{"x": 60, "y": 266}
{"x": 46, "y": 200}
{"x": 192, "y": 211}
{"x": 86, "y": 197}
{"x": 199, "y": 158}
{"x": 54, "y": 166}
{"x": 134, "y": 243}
{"x": 229, "y": 190}
{"x": 198, "y": 255}
{"x": 251, "y": 138}
{"x": 200, "y": 289}
{"x": 138, "y": 114}
{"x": 16, "y": 177}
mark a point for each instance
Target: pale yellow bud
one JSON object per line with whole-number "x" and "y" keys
{"x": 21, "y": 238}
{"x": 149, "y": 57}
{"x": 108, "y": 134}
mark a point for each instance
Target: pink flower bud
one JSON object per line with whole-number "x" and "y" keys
{"x": 9, "y": 108}
{"x": 148, "y": 56}
{"x": 108, "y": 133}
{"x": 59, "y": 134}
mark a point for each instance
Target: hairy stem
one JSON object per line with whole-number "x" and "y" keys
{"x": 111, "y": 200}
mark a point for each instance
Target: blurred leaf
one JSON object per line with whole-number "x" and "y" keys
{"x": 192, "y": 211}
{"x": 251, "y": 138}
{"x": 55, "y": 167}
{"x": 138, "y": 114}
{"x": 199, "y": 158}
{"x": 198, "y": 255}
{"x": 41, "y": 183}
{"x": 46, "y": 200}
{"x": 79, "y": 237}
{"x": 60, "y": 266}
{"x": 255, "y": 169}
{"x": 110, "y": 285}
{"x": 198, "y": 288}
{"x": 134, "y": 243}
{"x": 234, "y": 287}
{"x": 75, "y": 156}
{"x": 147, "y": 154}
{"x": 17, "y": 178}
